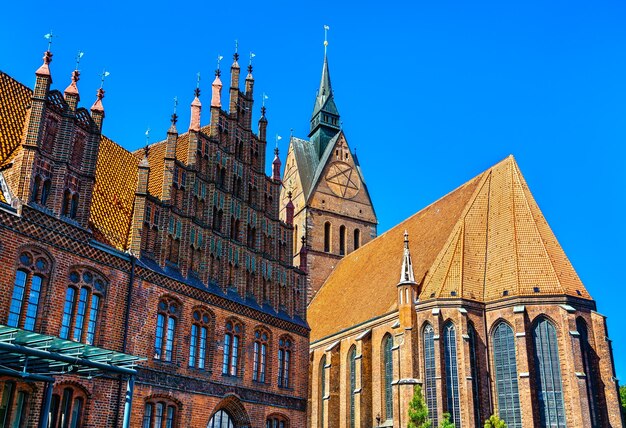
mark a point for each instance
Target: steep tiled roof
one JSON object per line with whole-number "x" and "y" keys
{"x": 485, "y": 238}
{"x": 114, "y": 194}
{"x": 14, "y": 99}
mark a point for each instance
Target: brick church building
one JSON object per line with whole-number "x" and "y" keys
{"x": 474, "y": 299}
{"x": 161, "y": 279}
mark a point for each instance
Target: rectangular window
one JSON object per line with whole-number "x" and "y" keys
{"x": 202, "y": 352}
{"x": 280, "y": 367}
{"x": 93, "y": 317}
{"x": 68, "y": 311}
{"x": 33, "y": 303}
{"x": 192, "y": 345}
{"x": 255, "y": 365}
{"x": 226, "y": 354}
{"x": 147, "y": 416}
{"x": 169, "y": 343}
{"x": 235, "y": 357}
{"x": 19, "y": 287}
{"x": 263, "y": 356}
{"x": 6, "y": 402}
{"x": 80, "y": 314}
{"x": 158, "y": 338}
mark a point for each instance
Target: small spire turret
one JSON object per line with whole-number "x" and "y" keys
{"x": 196, "y": 108}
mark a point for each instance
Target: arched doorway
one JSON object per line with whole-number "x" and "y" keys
{"x": 230, "y": 413}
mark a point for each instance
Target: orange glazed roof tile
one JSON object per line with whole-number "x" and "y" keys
{"x": 116, "y": 169}
{"x": 14, "y": 100}
{"x": 114, "y": 194}
{"x": 487, "y": 240}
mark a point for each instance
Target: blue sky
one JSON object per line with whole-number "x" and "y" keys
{"x": 430, "y": 94}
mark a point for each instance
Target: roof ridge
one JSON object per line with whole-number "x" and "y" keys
{"x": 524, "y": 189}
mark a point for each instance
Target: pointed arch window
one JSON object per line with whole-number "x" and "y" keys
{"x": 33, "y": 269}
{"x": 221, "y": 419}
{"x": 45, "y": 191}
{"x": 506, "y": 375}
{"x": 322, "y": 391}
{"x": 81, "y": 310}
{"x": 587, "y": 352}
{"x": 261, "y": 340}
{"x": 198, "y": 345}
{"x": 471, "y": 332}
{"x": 548, "y": 373}
{"x": 285, "y": 345}
{"x": 452, "y": 373}
{"x": 276, "y": 421}
{"x": 352, "y": 384}
{"x": 430, "y": 386}
{"x": 167, "y": 315}
{"x": 327, "y": 237}
{"x": 342, "y": 240}
{"x": 388, "y": 376}
{"x": 232, "y": 342}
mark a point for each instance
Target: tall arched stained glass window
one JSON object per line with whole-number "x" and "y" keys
{"x": 590, "y": 378}
{"x": 506, "y": 375}
{"x": 430, "y": 386}
{"x": 452, "y": 374}
{"x": 352, "y": 383}
{"x": 471, "y": 332}
{"x": 388, "y": 376}
{"x": 548, "y": 372}
{"x": 322, "y": 390}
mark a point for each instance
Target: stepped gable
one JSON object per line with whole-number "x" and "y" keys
{"x": 156, "y": 159}
{"x": 485, "y": 241}
{"x": 116, "y": 168}
{"x": 14, "y": 101}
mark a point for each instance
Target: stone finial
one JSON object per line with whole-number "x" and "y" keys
{"x": 216, "y": 96}
{"x": 97, "y": 106}
{"x": 276, "y": 164}
{"x": 406, "y": 275}
{"x": 73, "y": 88}
{"x": 289, "y": 209}
{"x": 44, "y": 70}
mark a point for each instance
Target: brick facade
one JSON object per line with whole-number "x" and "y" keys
{"x": 166, "y": 266}
{"x": 537, "y": 355}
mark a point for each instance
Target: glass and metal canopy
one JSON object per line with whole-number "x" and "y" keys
{"x": 38, "y": 357}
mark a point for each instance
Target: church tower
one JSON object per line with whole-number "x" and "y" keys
{"x": 333, "y": 214}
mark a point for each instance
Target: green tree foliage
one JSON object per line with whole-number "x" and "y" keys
{"x": 418, "y": 412}
{"x": 446, "y": 423}
{"x": 622, "y": 395}
{"x": 494, "y": 422}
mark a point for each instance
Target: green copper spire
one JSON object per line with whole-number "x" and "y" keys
{"x": 325, "y": 118}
